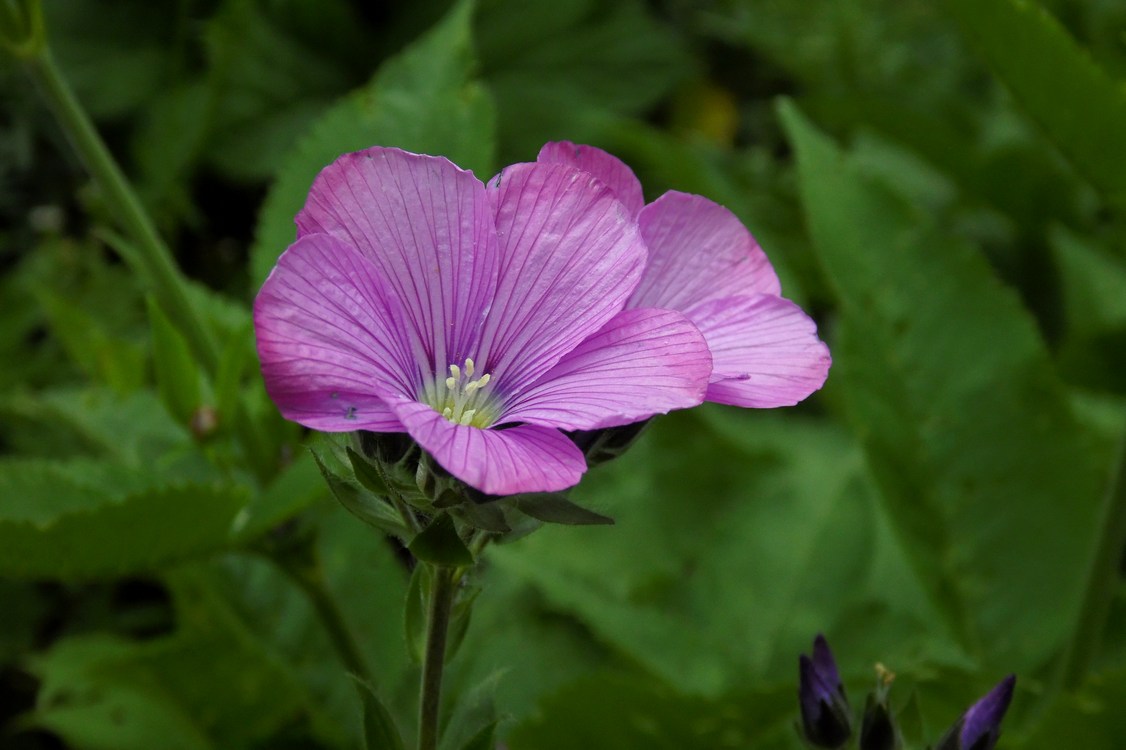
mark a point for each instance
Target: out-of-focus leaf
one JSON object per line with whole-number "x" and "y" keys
{"x": 380, "y": 730}
{"x": 296, "y": 488}
{"x": 414, "y": 612}
{"x": 1077, "y": 104}
{"x": 748, "y": 513}
{"x": 1092, "y": 719}
{"x": 177, "y": 375}
{"x": 369, "y": 584}
{"x": 267, "y": 87}
{"x": 635, "y": 712}
{"x": 82, "y": 520}
{"x": 210, "y": 678}
{"x": 114, "y": 56}
{"x": 938, "y": 364}
{"x": 134, "y": 430}
{"x": 474, "y": 717}
{"x": 553, "y": 71}
{"x": 425, "y": 100}
{"x": 105, "y": 356}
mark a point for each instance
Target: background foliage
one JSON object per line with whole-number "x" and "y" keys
{"x": 943, "y": 184}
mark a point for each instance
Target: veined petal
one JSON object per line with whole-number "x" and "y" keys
{"x": 643, "y": 362}
{"x": 427, "y": 227}
{"x": 610, "y": 170}
{"x": 698, "y": 251}
{"x": 569, "y": 258}
{"x": 765, "y": 351}
{"x": 327, "y": 339}
{"x": 525, "y": 458}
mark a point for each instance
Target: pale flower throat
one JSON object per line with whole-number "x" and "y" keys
{"x": 462, "y": 399}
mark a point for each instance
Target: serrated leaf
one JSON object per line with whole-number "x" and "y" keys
{"x": 366, "y": 474}
{"x": 177, "y": 374}
{"x": 440, "y": 544}
{"x": 938, "y": 363}
{"x": 425, "y": 100}
{"x": 98, "y": 531}
{"x": 556, "y": 508}
{"x": 370, "y": 509}
{"x": 1079, "y": 106}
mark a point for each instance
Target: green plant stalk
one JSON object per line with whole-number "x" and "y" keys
{"x": 153, "y": 260}
{"x": 434, "y": 658}
{"x": 1102, "y": 580}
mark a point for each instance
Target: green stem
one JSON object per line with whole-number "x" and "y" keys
{"x": 153, "y": 259}
{"x": 1102, "y": 580}
{"x": 433, "y": 661}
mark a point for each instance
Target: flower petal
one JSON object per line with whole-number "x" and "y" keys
{"x": 643, "y": 362}
{"x": 426, "y": 226}
{"x": 526, "y": 458}
{"x": 698, "y": 250}
{"x": 570, "y": 257}
{"x": 765, "y": 351}
{"x": 610, "y": 170}
{"x": 326, "y": 339}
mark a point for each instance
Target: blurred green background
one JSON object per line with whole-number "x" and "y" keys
{"x": 942, "y": 184}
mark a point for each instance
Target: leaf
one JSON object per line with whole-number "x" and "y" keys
{"x": 1080, "y": 108}
{"x": 102, "y": 354}
{"x": 723, "y": 518}
{"x": 557, "y": 70}
{"x": 440, "y": 544}
{"x": 938, "y": 363}
{"x": 78, "y": 520}
{"x": 295, "y": 489}
{"x": 372, "y": 510}
{"x": 366, "y": 474}
{"x": 379, "y": 726}
{"x": 177, "y": 375}
{"x": 474, "y": 714}
{"x": 210, "y": 682}
{"x": 628, "y": 711}
{"x": 267, "y": 85}
{"x": 414, "y": 612}
{"x": 556, "y": 508}
{"x": 424, "y": 100}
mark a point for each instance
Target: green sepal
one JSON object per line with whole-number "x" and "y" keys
{"x": 440, "y": 544}
{"x": 360, "y": 503}
{"x": 414, "y": 612}
{"x": 177, "y": 374}
{"x": 556, "y": 508}
{"x": 367, "y": 474}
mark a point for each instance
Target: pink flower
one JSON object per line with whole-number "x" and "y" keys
{"x": 483, "y": 321}
{"x": 704, "y": 263}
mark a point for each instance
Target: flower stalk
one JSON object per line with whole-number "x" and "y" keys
{"x": 152, "y": 259}
{"x": 439, "y": 608}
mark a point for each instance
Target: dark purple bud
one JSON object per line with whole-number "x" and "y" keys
{"x": 825, "y": 717}
{"x": 980, "y": 727}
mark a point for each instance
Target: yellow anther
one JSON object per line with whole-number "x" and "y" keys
{"x": 483, "y": 380}
{"x": 455, "y": 372}
{"x": 467, "y": 417}
{"x": 468, "y": 367}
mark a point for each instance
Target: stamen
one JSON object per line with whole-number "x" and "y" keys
{"x": 462, "y": 401}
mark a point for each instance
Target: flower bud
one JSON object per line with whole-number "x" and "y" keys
{"x": 980, "y": 727}
{"x": 877, "y": 728}
{"x": 600, "y": 446}
{"x": 826, "y": 720}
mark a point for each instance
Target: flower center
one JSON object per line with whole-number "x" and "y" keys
{"x": 464, "y": 400}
